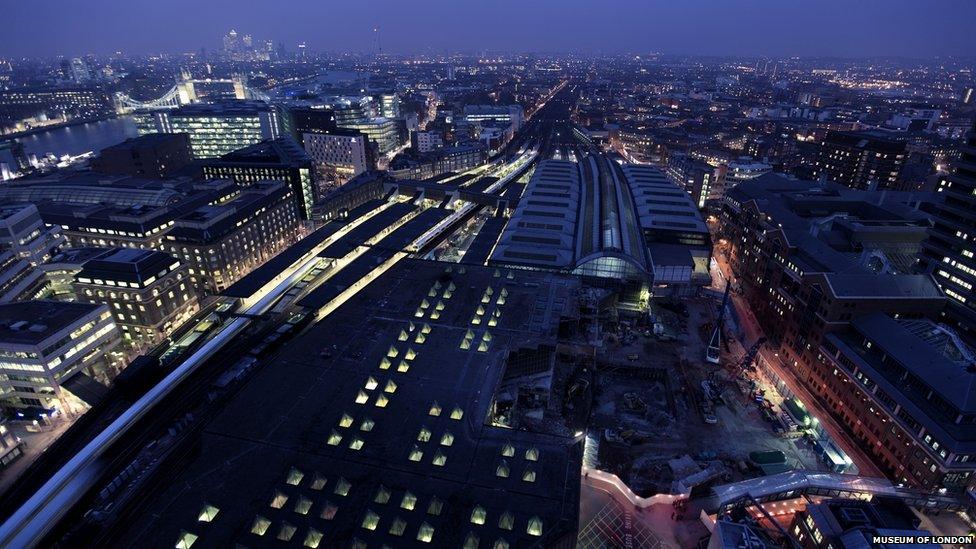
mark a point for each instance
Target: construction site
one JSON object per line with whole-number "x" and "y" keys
{"x": 663, "y": 418}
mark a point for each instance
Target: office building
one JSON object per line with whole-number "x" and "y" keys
{"x": 950, "y": 251}
{"x": 388, "y": 134}
{"x": 11, "y": 447}
{"x": 426, "y": 141}
{"x": 80, "y": 72}
{"x": 739, "y": 171}
{"x": 904, "y": 389}
{"x": 154, "y": 155}
{"x": 303, "y": 120}
{"x": 223, "y": 241}
{"x": 389, "y": 105}
{"x": 340, "y": 155}
{"x": 19, "y": 104}
{"x": 491, "y": 115}
{"x": 280, "y": 159}
{"x": 148, "y": 292}
{"x": 411, "y": 165}
{"x": 861, "y": 160}
{"x": 814, "y": 259}
{"x": 45, "y": 344}
{"x": 85, "y": 187}
{"x": 85, "y": 225}
{"x": 215, "y": 129}
{"x": 19, "y": 280}
{"x": 694, "y": 176}
{"x": 23, "y": 232}
{"x": 60, "y": 271}
{"x": 854, "y": 524}
{"x": 642, "y": 145}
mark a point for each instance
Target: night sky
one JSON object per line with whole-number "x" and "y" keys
{"x": 844, "y": 28}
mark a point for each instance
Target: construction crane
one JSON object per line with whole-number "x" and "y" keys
{"x": 751, "y": 353}
{"x": 714, "y": 350}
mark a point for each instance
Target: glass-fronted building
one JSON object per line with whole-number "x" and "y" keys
{"x": 215, "y": 129}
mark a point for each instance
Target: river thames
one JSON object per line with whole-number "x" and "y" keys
{"x": 80, "y": 138}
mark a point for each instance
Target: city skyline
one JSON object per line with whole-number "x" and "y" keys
{"x": 710, "y": 28}
{"x": 488, "y": 274}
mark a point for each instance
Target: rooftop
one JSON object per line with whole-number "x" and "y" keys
{"x": 831, "y": 228}
{"x": 902, "y": 363}
{"x": 370, "y": 426}
{"x": 32, "y": 322}
{"x": 132, "y": 266}
{"x": 280, "y": 151}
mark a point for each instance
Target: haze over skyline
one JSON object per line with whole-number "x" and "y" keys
{"x": 830, "y": 28}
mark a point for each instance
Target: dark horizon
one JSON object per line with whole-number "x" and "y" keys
{"x": 759, "y": 28}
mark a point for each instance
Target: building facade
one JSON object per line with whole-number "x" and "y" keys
{"x": 148, "y": 292}
{"x": 814, "y": 260}
{"x": 220, "y": 243}
{"x": 155, "y": 155}
{"x": 339, "y": 155}
{"x": 215, "y": 129}
{"x": 950, "y": 251}
{"x": 861, "y": 160}
{"x": 44, "y": 343}
{"x": 279, "y": 159}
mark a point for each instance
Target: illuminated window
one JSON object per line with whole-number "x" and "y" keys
{"x": 361, "y": 397}
{"x": 506, "y": 521}
{"x": 208, "y": 513}
{"x": 508, "y": 450}
{"x": 439, "y": 459}
{"x": 186, "y": 540}
{"x": 318, "y": 482}
{"x": 471, "y": 541}
{"x": 371, "y": 520}
{"x": 457, "y": 413}
{"x": 367, "y": 425}
{"x": 294, "y": 477}
{"x": 534, "y": 527}
{"x": 342, "y": 487}
{"x": 279, "y": 500}
{"x": 423, "y": 435}
{"x": 334, "y": 438}
{"x": 502, "y": 470}
{"x": 398, "y": 526}
{"x": 447, "y": 439}
{"x": 382, "y": 401}
{"x": 329, "y": 511}
{"x": 532, "y": 454}
{"x": 409, "y": 501}
{"x": 345, "y": 420}
{"x": 303, "y": 505}
{"x": 313, "y": 538}
{"x": 425, "y": 533}
{"x": 260, "y": 525}
{"x": 391, "y": 387}
{"x": 435, "y": 507}
{"x": 382, "y": 494}
{"x": 356, "y": 444}
{"x": 528, "y": 475}
{"x": 415, "y": 453}
{"x": 371, "y": 383}
{"x": 435, "y": 409}
{"x": 286, "y": 532}
{"x": 478, "y": 515}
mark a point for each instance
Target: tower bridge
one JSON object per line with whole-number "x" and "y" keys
{"x": 184, "y": 93}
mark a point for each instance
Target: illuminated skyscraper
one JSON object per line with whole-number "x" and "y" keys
{"x": 950, "y": 251}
